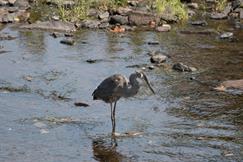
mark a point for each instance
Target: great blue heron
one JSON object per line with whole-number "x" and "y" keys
{"x": 116, "y": 86}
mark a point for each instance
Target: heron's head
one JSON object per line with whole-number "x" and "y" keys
{"x": 142, "y": 75}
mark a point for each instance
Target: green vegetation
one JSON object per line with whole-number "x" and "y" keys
{"x": 107, "y": 4}
{"x": 220, "y": 5}
{"x": 81, "y": 7}
{"x": 77, "y": 12}
{"x": 172, "y": 6}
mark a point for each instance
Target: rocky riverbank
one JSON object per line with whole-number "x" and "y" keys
{"x": 137, "y": 13}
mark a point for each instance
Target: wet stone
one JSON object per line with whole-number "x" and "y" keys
{"x": 56, "y": 96}
{"x": 4, "y": 36}
{"x": 68, "y": 4}
{"x": 153, "y": 43}
{"x": 136, "y": 66}
{"x": 231, "y": 84}
{"x": 3, "y": 3}
{"x": 199, "y": 23}
{"x": 104, "y": 25}
{"x": 193, "y": 5}
{"x": 151, "y": 67}
{"x": 241, "y": 13}
{"x": 183, "y": 68}
{"x": 12, "y": 9}
{"x": 91, "y": 61}
{"x": 163, "y": 28}
{"x": 68, "y": 34}
{"x": 28, "y": 78}
{"x": 56, "y": 18}
{"x": 92, "y": 12}
{"x": 210, "y": 1}
{"x": 55, "y": 35}
{"x": 158, "y": 58}
{"x": 11, "y": 2}
{"x": 40, "y": 125}
{"x": 191, "y": 13}
{"x": 203, "y": 32}
{"x": 68, "y": 42}
{"x": 123, "y": 10}
{"x": 92, "y": 24}
{"x": 133, "y": 3}
{"x": 216, "y": 15}
{"x": 226, "y": 35}
{"x": 2, "y": 52}
{"x": 122, "y": 20}
{"x": 81, "y": 104}
{"x": 129, "y": 28}
{"x": 104, "y": 15}
{"x": 139, "y": 18}
{"x": 22, "y": 4}
{"x": 8, "y": 89}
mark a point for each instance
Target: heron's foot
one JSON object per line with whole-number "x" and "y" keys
{"x": 133, "y": 133}
{"x": 116, "y": 134}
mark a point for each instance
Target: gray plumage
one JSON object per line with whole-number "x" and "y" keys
{"x": 116, "y": 86}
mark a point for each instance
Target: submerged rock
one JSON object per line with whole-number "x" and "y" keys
{"x": 4, "y": 36}
{"x": 68, "y": 42}
{"x": 231, "y": 85}
{"x": 81, "y": 104}
{"x": 183, "y": 68}
{"x": 51, "y": 25}
{"x": 153, "y": 43}
{"x": 9, "y": 89}
{"x": 203, "y": 32}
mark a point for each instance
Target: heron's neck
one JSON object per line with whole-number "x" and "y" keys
{"x": 133, "y": 88}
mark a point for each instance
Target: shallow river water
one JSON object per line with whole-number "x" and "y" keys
{"x": 186, "y": 120}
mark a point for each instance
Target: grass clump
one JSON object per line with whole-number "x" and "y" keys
{"x": 108, "y": 4}
{"x": 174, "y": 7}
{"x": 220, "y": 5}
{"x": 80, "y": 10}
{"x": 77, "y": 12}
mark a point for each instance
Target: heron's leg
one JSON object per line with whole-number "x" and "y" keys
{"x": 114, "y": 119}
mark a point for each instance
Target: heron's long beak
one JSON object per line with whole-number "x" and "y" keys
{"x": 147, "y": 82}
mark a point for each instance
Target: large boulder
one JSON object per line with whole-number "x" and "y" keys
{"x": 51, "y": 25}
{"x": 141, "y": 18}
{"x": 119, "y": 19}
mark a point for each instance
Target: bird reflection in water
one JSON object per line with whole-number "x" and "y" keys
{"x": 103, "y": 151}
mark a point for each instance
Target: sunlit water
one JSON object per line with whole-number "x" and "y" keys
{"x": 185, "y": 121}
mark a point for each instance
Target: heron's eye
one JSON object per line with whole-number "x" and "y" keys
{"x": 140, "y": 75}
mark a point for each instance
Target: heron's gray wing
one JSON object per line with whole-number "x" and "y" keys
{"x": 111, "y": 87}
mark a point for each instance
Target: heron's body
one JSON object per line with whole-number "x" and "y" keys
{"x": 116, "y": 86}
{"x": 111, "y": 89}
